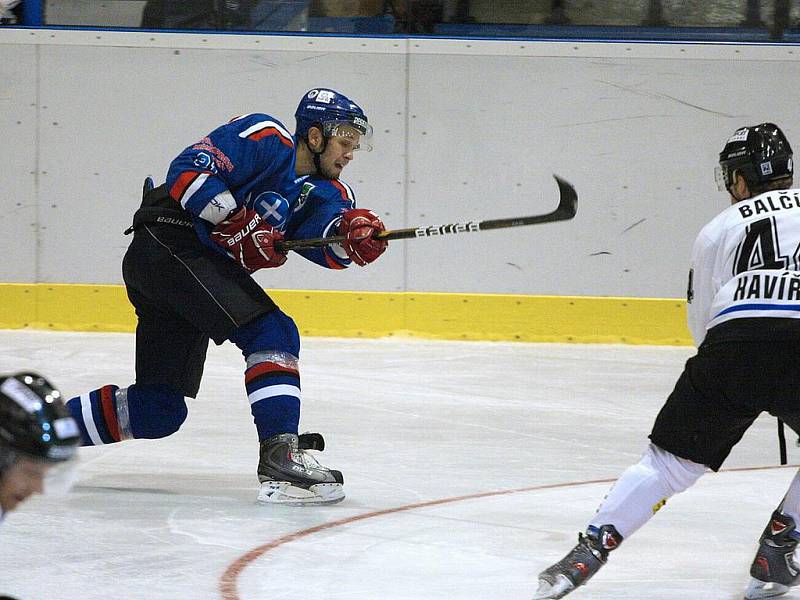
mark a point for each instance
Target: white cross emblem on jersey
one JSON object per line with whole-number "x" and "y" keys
{"x": 272, "y": 210}
{"x": 272, "y": 207}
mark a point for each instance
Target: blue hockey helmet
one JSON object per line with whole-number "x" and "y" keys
{"x": 334, "y": 113}
{"x": 761, "y": 153}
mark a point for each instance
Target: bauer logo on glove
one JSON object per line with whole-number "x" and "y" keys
{"x": 250, "y": 241}
{"x": 245, "y": 231}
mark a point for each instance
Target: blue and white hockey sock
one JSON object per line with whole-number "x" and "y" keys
{"x": 272, "y": 381}
{"x": 113, "y": 414}
{"x": 96, "y": 415}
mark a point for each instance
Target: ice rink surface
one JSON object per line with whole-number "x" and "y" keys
{"x": 469, "y": 467}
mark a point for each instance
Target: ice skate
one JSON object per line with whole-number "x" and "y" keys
{"x": 774, "y": 570}
{"x": 580, "y": 564}
{"x": 290, "y": 475}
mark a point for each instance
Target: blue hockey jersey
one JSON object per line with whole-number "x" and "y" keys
{"x": 250, "y": 162}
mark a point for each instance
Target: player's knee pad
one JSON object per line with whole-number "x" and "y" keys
{"x": 677, "y": 474}
{"x": 154, "y": 411}
{"x": 273, "y": 332}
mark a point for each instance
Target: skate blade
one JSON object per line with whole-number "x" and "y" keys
{"x": 283, "y": 492}
{"x": 761, "y": 589}
{"x": 550, "y": 591}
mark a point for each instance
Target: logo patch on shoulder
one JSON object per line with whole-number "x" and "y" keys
{"x": 305, "y": 191}
{"x": 203, "y": 160}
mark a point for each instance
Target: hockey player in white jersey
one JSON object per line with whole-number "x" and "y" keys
{"x": 744, "y": 309}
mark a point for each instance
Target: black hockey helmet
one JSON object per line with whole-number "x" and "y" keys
{"x": 34, "y": 421}
{"x": 761, "y": 153}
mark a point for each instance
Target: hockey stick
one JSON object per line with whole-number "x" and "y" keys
{"x": 567, "y": 207}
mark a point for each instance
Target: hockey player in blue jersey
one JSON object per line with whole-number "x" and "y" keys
{"x": 228, "y": 202}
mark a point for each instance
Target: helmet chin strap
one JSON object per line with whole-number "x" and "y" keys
{"x": 315, "y": 155}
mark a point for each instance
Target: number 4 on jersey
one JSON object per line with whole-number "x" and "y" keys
{"x": 760, "y": 249}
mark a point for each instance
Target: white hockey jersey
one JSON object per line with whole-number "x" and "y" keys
{"x": 746, "y": 263}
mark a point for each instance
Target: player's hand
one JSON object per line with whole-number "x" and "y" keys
{"x": 359, "y": 226}
{"x": 250, "y": 240}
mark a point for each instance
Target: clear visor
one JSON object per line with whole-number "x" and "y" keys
{"x": 359, "y": 131}
{"x": 721, "y": 175}
{"x": 44, "y": 476}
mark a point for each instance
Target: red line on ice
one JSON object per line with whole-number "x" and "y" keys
{"x": 229, "y": 579}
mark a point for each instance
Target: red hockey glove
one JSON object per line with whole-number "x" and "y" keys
{"x": 250, "y": 240}
{"x": 360, "y": 226}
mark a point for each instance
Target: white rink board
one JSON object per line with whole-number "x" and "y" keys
{"x": 465, "y": 130}
{"x": 638, "y": 137}
{"x": 138, "y": 125}
{"x": 168, "y": 519}
{"x": 18, "y": 156}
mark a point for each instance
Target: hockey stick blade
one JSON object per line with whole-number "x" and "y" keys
{"x": 567, "y": 209}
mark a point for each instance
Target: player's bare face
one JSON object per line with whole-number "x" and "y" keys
{"x": 22, "y": 479}
{"x": 338, "y": 154}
